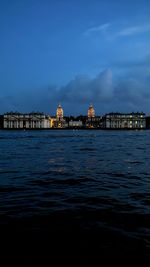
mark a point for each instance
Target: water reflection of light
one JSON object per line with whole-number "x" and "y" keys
{"x": 56, "y": 160}
{"x": 60, "y": 169}
{"x": 52, "y": 161}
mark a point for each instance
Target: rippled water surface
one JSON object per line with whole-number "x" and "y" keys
{"x": 78, "y": 179}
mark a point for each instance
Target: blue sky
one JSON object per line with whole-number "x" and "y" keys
{"x": 74, "y": 53}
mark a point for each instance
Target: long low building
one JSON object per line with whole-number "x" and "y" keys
{"x": 75, "y": 124}
{"x": 125, "y": 120}
{"x": 34, "y": 120}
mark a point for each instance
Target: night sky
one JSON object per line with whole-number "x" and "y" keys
{"x": 75, "y": 52}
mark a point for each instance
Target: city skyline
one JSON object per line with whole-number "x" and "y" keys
{"x": 89, "y": 112}
{"x": 75, "y": 52}
{"x": 59, "y": 121}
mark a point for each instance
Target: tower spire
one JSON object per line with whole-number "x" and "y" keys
{"x": 91, "y": 111}
{"x": 59, "y": 112}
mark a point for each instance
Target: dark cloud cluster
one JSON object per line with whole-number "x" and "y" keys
{"x": 124, "y": 88}
{"x": 84, "y": 89}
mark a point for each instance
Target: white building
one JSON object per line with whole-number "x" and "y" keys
{"x": 75, "y": 124}
{"x": 34, "y": 120}
{"x": 125, "y": 120}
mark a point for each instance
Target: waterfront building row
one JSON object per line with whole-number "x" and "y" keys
{"x": 38, "y": 120}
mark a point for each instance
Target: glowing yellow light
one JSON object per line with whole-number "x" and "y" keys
{"x": 59, "y": 112}
{"x": 91, "y": 112}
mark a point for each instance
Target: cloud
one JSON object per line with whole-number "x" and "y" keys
{"x": 83, "y": 89}
{"x": 110, "y": 92}
{"x": 136, "y": 64}
{"x": 134, "y": 30}
{"x": 98, "y": 29}
{"x": 132, "y": 86}
{"x": 122, "y": 88}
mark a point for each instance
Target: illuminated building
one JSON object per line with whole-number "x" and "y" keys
{"x": 125, "y": 120}
{"x": 34, "y": 120}
{"x": 75, "y": 124}
{"x": 38, "y": 120}
{"x": 91, "y": 115}
{"x": 91, "y": 112}
{"x": 59, "y": 113}
{"x": 52, "y": 122}
{"x": 59, "y": 121}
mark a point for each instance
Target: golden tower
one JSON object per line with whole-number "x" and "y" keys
{"x": 59, "y": 112}
{"x": 91, "y": 112}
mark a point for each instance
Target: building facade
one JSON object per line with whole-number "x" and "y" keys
{"x": 91, "y": 112}
{"x": 90, "y": 117}
{"x": 75, "y": 124}
{"x": 59, "y": 112}
{"x": 34, "y": 120}
{"x": 95, "y": 122}
{"x": 124, "y": 120}
{"x": 59, "y": 121}
{"x": 37, "y": 120}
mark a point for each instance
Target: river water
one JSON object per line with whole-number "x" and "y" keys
{"x": 91, "y": 187}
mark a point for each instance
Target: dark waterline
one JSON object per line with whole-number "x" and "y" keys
{"x": 88, "y": 190}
